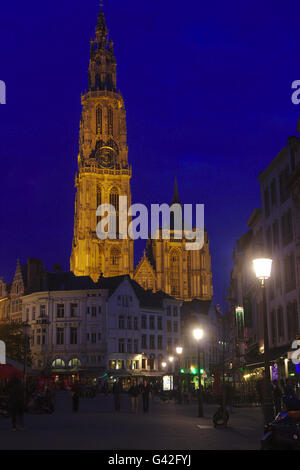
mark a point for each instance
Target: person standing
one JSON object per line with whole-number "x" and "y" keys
{"x": 277, "y": 394}
{"x": 16, "y": 391}
{"x": 145, "y": 394}
{"x": 134, "y": 393}
{"x": 117, "y": 390}
{"x": 75, "y": 397}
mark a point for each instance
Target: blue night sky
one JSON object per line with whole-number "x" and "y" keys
{"x": 207, "y": 88}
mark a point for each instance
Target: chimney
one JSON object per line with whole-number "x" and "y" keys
{"x": 34, "y": 274}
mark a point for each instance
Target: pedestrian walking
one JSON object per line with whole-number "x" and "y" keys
{"x": 75, "y": 397}
{"x": 146, "y": 391}
{"x": 134, "y": 392}
{"x": 277, "y": 395}
{"x": 117, "y": 390}
{"x": 16, "y": 391}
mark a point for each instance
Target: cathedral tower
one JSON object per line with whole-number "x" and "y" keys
{"x": 168, "y": 266}
{"x": 103, "y": 170}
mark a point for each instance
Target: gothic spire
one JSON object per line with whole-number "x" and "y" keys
{"x": 175, "y": 194}
{"x": 102, "y": 69}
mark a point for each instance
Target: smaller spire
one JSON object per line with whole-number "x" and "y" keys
{"x": 175, "y": 194}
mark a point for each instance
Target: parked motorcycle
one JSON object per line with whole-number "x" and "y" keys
{"x": 221, "y": 417}
{"x": 40, "y": 404}
{"x": 284, "y": 431}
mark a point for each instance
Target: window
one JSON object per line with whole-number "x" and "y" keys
{"x": 93, "y": 338}
{"x": 115, "y": 259}
{"x": 267, "y": 202}
{"x": 110, "y": 121}
{"x": 121, "y": 345}
{"x": 74, "y": 362}
{"x": 99, "y": 309}
{"x": 152, "y": 323}
{"x": 159, "y": 323}
{"x": 129, "y": 323}
{"x": 73, "y": 310}
{"x": 280, "y": 324}
{"x": 121, "y": 322}
{"x": 287, "y": 227}
{"x": 99, "y": 336}
{"x": 174, "y": 263}
{"x": 290, "y": 273}
{"x": 175, "y": 326}
{"x": 168, "y": 310}
{"x": 60, "y": 335}
{"x": 129, "y": 346}
{"x": 58, "y": 363}
{"x": 159, "y": 342}
{"x": 269, "y": 239}
{"x": 175, "y": 311}
{"x": 94, "y": 311}
{"x": 273, "y": 193}
{"x": 33, "y": 313}
{"x": 169, "y": 326}
{"x": 43, "y": 336}
{"x": 283, "y": 189}
{"x": 152, "y": 342}
{"x": 144, "y": 341}
{"x": 136, "y": 323}
{"x": 42, "y": 311}
{"x": 60, "y": 310}
{"x": 144, "y": 322}
{"x": 99, "y": 120}
{"x": 273, "y": 327}
{"x": 292, "y": 319}
{"x": 169, "y": 345}
{"x": 73, "y": 335}
{"x": 276, "y": 234}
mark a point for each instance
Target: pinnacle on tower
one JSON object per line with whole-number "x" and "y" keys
{"x": 175, "y": 194}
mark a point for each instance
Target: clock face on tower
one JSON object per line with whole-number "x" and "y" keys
{"x": 106, "y": 154}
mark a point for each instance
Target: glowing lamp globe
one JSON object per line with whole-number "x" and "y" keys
{"x": 198, "y": 334}
{"x": 262, "y": 268}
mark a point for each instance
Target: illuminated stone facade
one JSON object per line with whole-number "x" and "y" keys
{"x": 103, "y": 170}
{"x": 103, "y": 176}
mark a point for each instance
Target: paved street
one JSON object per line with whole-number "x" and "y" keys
{"x": 98, "y": 427}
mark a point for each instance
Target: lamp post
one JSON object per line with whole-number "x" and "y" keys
{"x": 262, "y": 268}
{"x": 179, "y": 350}
{"x": 198, "y": 335}
{"x": 26, "y": 329}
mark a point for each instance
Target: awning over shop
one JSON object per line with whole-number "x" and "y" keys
{"x": 133, "y": 373}
{"x": 255, "y": 359}
{"x": 8, "y": 371}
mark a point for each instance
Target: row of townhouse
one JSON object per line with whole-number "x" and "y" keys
{"x": 274, "y": 231}
{"x": 112, "y": 326}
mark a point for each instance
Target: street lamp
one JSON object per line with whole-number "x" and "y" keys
{"x": 262, "y": 268}
{"x": 179, "y": 350}
{"x": 198, "y": 335}
{"x": 26, "y": 330}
